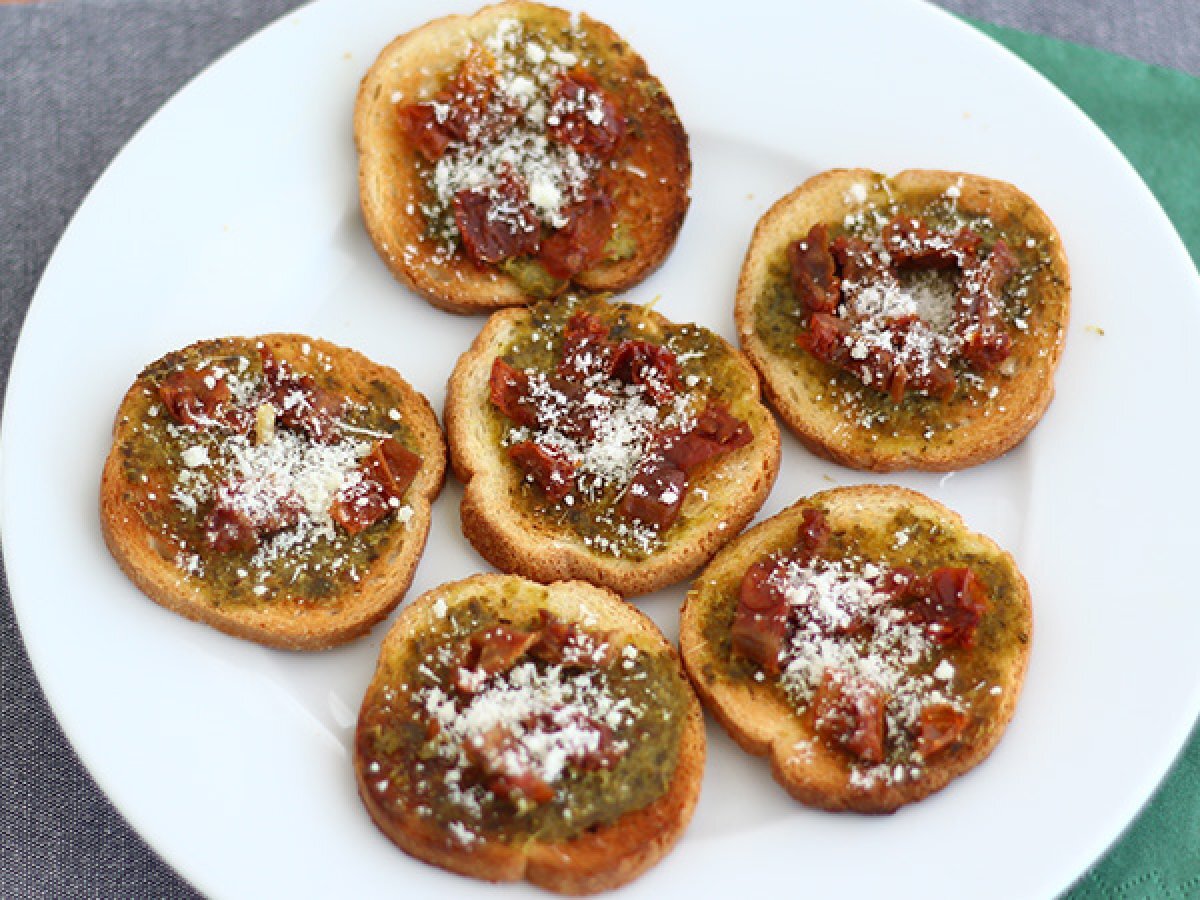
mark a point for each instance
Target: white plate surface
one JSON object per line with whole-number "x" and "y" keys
{"x": 234, "y": 212}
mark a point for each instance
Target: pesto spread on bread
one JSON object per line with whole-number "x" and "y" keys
{"x": 894, "y": 639}
{"x": 492, "y": 726}
{"x": 909, "y": 306}
{"x": 516, "y": 149}
{"x": 260, "y": 476}
{"x": 507, "y": 155}
{"x": 610, "y": 416}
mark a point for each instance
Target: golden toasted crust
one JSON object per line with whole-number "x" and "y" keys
{"x": 764, "y": 723}
{"x": 722, "y": 498}
{"x": 950, "y": 435}
{"x": 597, "y": 860}
{"x": 150, "y": 563}
{"x": 650, "y": 176}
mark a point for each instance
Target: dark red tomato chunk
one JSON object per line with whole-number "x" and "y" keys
{"x": 986, "y": 346}
{"x": 652, "y": 366}
{"x": 563, "y": 643}
{"x": 384, "y": 476}
{"x": 509, "y": 388}
{"x": 421, "y": 126}
{"x": 950, "y": 603}
{"x": 910, "y": 243}
{"x": 826, "y": 337}
{"x": 227, "y": 530}
{"x": 360, "y": 506}
{"x": 717, "y": 431}
{"x": 234, "y": 523}
{"x": 586, "y": 350}
{"x": 299, "y": 404}
{"x": 939, "y": 726}
{"x": 497, "y": 222}
{"x": 393, "y": 465}
{"x": 499, "y": 648}
{"x": 604, "y": 755}
{"x": 579, "y": 244}
{"x": 467, "y": 104}
{"x": 583, "y": 115}
{"x": 856, "y": 261}
{"x": 198, "y": 397}
{"x": 848, "y": 712}
{"x": 491, "y": 753}
{"x": 760, "y": 622}
{"x": 812, "y": 537}
{"x": 654, "y": 496}
{"x": 814, "y": 271}
{"x": 551, "y": 472}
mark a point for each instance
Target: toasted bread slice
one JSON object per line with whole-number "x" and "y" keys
{"x": 644, "y": 165}
{"x": 979, "y": 407}
{"x": 258, "y": 485}
{"x": 597, "y": 823}
{"x": 936, "y": 689}
{"x": 588, "y": 533}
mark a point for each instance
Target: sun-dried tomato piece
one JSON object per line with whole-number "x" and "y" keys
{"x": 583, "y": 115}
{"x": 857, "y": 262}
{"x": 825, "y": 338}
{"x": 237, "y": 523}
{"x": 848, "y": 712}
{"x": 200, "y": 397}
{"x": 566, "y": 644}
{"x": 814, "y": 271}
{"x": 494, "y": 753}
{"x": 385, "y": 474}
{"x": 716, "y": 432}
{"x": 950, "y": 604}
{"x": 760, "y": 622}
{"x": 550, "y": 471}
{"x": 655, "y": 495}
{"x": 586, "y": 349}
{"x": 497, "y": 222}
{"x": 579, "y": 244}
{"x": 500, "y": 647}
{"x": 227, "y": 530}
{"x": 812, "y": 536}
{"x": 651, "y": 366}
{"x": 393, "y": 465}
{"x": 421, "y": 125}
{"x": 509, "y": 390}
{"x": 939, "y": 726}
{"x": 299, "y": 403}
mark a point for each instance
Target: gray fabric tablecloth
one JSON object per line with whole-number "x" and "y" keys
{"x": 76, "y": 81}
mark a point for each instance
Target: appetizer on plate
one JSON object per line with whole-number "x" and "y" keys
{"x": 515, "y": 730}
{"x": 600, "y": 441}
{"x": 511, "y": 154}
{"x": 277, "y": 488}
{"x": 865, "y": 641}
{"x": 905, "y": 322}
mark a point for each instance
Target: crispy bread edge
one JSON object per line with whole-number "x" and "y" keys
{"x": 1009, "y": 418}
{"x": 514, "y": 540}
{"x": 387, "y": 182}
{"x": 382, "y": 588}
{"x": 764, "y": 725}
{"x": 601, "y": 860}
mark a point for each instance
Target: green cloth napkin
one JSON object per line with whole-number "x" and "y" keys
{"x": 1153, "y": 115}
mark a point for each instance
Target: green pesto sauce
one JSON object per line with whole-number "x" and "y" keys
{"x": 705, "y": 362}
{"x": 1003, "y": 633}
{"x": 315, "y": 574}
{"x": 608, "y": 61}
{"x": 396, "y": 739}
{"x": 1030, "y": 322}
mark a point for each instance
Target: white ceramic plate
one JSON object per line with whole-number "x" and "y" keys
{"x": 234, "y": 212}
